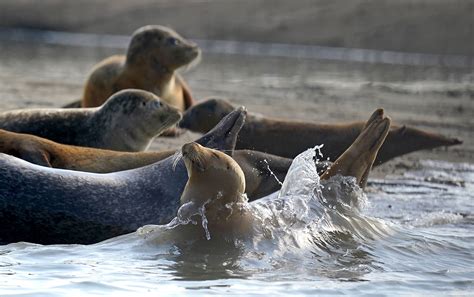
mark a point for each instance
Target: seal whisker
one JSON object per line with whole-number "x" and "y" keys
{"x": 177, "y": 156}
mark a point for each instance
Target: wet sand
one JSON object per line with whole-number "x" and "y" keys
{"x": 432, "y": 98}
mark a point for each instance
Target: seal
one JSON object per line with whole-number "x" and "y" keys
{"x": 128, "y": 121}
{"x": 153, "y": 56}
{"x": 289, "y": 138}
{"x": 215, "y": 189}
{"x": 45, "y": 205}
{"x": 262, "y": 171}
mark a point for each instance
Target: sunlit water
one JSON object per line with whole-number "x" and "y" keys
{"x": 408, "y": 235}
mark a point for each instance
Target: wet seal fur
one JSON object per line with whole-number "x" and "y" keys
{"x": 262, "y": 171}
{"x": 289, "y": 138}
{"x": 46, "y": 205}
{"x": 128, "y": 121}
{"x": 216, "y": 184}
{"x": 153, "y": 56}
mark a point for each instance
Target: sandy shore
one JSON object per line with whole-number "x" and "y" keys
{"x": 431, "y": 98}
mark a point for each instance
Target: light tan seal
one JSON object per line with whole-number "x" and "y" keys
{"x": 128, "y": 121}
{"x": 262, "y": 171}
{"x": 288, "y": 138}
{"x": 153, "y": 56}
{"x": 216, "y": 183}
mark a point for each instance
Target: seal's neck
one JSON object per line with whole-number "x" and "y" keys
{"x": 151, "y": 73}
{"x": 120, "y": 135}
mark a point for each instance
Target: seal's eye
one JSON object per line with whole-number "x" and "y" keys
{"x": 143, "y": 103}
{"x": 172, "y": 41}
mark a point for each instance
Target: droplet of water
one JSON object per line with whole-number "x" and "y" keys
{"x": 271, "y": 172}
{"x": 204, "y": 221}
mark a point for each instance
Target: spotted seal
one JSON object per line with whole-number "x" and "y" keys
{"x": 128, "y": 121}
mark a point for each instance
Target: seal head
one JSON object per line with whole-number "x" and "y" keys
{"x": 138, "y": 116}
{"x": 217, "y": 184}
{"x": 165, "y": 49}
{"x": 205, "y": 115}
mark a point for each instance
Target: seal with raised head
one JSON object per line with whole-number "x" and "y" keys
{"x": 128, "y": 121}
{"x": 45, "y": 205}
{"x": 262, "y": 171}
{"x": 216, "y": 185}
{"x": 153, "y": 56}
{"x": 288, "y": 138}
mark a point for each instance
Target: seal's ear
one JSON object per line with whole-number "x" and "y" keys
{"x": 37, "y": 157}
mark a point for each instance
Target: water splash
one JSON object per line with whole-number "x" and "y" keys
{"x": 204, "y": 221}
{"x": 186, "y": 214}
{"x": 272, "y": 173}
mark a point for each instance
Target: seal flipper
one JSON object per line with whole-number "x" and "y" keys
{"x": 36, "y": 156}
{"x": 187, "y": 97}
{"x": 358, "y": 159}
{"x": 223, "y": 136}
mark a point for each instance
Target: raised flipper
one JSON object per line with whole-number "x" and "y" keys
{"x": 358, "y": 159}
{"x": 187, "y": 97}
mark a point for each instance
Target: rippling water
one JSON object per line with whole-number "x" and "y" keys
{"x": 408, "y": 235}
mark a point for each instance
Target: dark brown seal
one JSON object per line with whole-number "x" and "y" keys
{"x": 289, "y": 138}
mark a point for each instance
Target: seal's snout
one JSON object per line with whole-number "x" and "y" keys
{"x": 190, "y": 149}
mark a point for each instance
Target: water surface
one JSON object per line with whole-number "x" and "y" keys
{"x": 408, "y": 235}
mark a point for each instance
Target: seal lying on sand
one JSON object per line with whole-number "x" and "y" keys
{"x": 128, "y": 121}
{"x": 216, "y": 183}
{"x": 153, "y": 56}
{"x": 258, "y": 167}
{"x": 289, "y": 138}
{"x": 46, "y": 205}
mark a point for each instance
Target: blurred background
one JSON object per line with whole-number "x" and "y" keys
{"x": 319, "y": 60}
{"x": 423, "y": 26}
